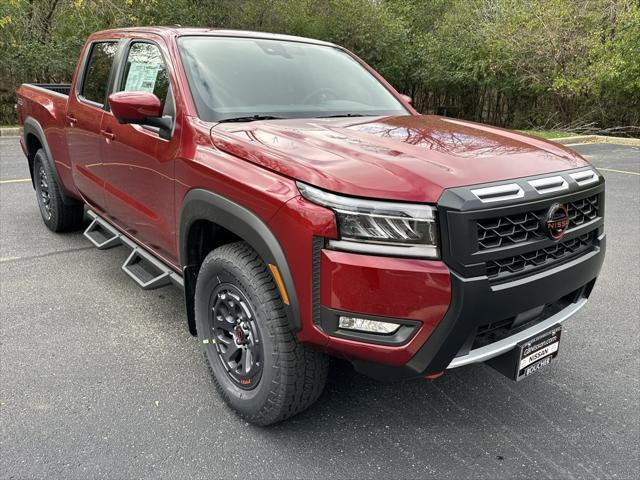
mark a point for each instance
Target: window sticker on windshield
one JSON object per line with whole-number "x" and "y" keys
{"x": 141, "y": 77}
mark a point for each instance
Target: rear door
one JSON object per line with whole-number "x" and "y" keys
{"x": 87, "y": 101}
{"x": 138, "y": 164}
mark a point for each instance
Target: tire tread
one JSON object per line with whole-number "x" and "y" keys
{"x": 303, "y": 371}
{"x": 66, "y": 217}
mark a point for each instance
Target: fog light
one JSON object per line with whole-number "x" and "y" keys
{"x": 365, "y": 325}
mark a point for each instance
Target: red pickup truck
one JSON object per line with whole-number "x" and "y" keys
{"x": 308, "y": 210}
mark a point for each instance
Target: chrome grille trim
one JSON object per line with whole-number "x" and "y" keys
{"x": 499, "y": 193}
{"x": 586, "y": 177}
{"x": 549, "y": 184}
{"x": 552, "y": 184}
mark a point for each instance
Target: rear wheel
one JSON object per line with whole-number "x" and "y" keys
{"x": 258, "y": 366}
{"x": 57, "y": 216}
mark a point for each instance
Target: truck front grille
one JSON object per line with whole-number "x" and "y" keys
{"x": 507, "y": 239}
{"x": 522, "y": 227}
{"x": 582, "y": 211}
{"x": 539, "y": 258}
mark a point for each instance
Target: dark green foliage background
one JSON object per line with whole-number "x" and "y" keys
{"x": 572, "y": 64}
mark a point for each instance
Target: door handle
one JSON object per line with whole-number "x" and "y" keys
{"x": 72, "y": 120}
{"x": 108, "y": 135}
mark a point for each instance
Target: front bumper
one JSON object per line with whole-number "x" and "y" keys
{"x": 476, "y": 303}
{"x": 489, "y": 311}
{"x": 502, "y": 346}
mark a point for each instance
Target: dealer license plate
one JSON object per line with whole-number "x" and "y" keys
{"x": 537, "y": 353}
{"x": 529, "y": 356}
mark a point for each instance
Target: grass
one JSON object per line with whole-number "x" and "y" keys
{"x": 548, "y": 134}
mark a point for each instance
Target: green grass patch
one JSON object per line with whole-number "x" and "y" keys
{"x": 548, "y": 134}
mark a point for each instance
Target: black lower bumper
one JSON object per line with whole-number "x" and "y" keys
{"x": 476, "y": 302}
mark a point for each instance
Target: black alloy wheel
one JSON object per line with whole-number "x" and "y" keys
{"x": 60, "y": 213}
{"x": 235, "y": 335}
{"x": 42, "y": 189}
{"x": 258, "y": 366}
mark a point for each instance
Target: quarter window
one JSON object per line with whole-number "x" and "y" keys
{"x": 96, "y": 78}
{"x": 145, "y": 71}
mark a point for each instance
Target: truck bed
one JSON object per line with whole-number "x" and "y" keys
{"x": 61, "y": 88}
{"x": 41, "y": 109}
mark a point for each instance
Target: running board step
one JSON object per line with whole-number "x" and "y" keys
{"x": 101, "y": 234}
{"x": 145, "y": 269}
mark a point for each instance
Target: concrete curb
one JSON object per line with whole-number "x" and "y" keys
{"x": 10, "y": 131}
{"x": 634, "y": 142}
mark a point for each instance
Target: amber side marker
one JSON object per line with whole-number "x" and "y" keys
{"x": 276, "y": 276}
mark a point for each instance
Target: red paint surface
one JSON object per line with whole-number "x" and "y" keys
{"x": 388, "y": 287}
{"x": 412, "y": 157}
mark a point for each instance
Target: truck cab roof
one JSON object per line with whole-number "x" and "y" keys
{"x": 178, "y": 31}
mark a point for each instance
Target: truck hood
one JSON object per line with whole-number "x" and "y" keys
{"x": 408, "y": 158}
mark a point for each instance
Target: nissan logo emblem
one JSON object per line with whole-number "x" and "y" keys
{"x": 556, "y": 221}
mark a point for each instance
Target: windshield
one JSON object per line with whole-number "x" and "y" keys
{"x": 240, "y": 78}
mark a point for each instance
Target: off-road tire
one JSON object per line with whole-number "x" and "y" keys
{"x": 293, "y": 376}
{"x": 57, "y": 215}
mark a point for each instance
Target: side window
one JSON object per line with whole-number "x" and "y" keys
{"x": 96, "y": 77}
{"x": 145, "y": 71}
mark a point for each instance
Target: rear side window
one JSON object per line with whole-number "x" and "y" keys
{"x": 96, "y": 77}
{"x": 145, "y": 71}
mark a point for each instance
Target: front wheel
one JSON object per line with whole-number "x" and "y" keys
{"x": 258, "y": 366}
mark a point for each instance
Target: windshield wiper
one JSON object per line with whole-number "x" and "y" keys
{"x": 345, "y": 115}
{"x": 251, "y": 118}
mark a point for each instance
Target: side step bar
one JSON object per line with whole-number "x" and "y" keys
{"x": 101, "y": 234}
{"x": 141, "y": 265}
{"x": 145, "y": 270}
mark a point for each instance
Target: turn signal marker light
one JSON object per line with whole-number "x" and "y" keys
{"x": 280, "y": 284}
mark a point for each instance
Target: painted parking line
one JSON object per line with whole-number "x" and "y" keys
{"x": 617, "y": 171}
{"x": 16, "y": 180}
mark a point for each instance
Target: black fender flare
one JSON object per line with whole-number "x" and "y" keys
{"x": 32, "y": 127}
{"x": 202, "y": 204}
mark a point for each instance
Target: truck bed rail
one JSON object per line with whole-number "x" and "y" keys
{"x": 61, "y": 88}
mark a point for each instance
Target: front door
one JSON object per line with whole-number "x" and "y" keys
{"x": 138, "y": 164}
{"x": 83, "y": 118}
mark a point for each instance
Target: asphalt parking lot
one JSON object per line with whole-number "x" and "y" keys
{"x": 99, "y": 379}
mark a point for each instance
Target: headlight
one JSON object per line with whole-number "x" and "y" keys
{"x": 379, "y": 227}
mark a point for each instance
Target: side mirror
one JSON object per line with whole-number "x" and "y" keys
{"x": 407, "y": 98}
{"x": 134, "y": 107}
{"x": 142, "y": 108}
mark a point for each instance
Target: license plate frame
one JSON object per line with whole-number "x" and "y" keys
{"x": 530, "y": 355}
